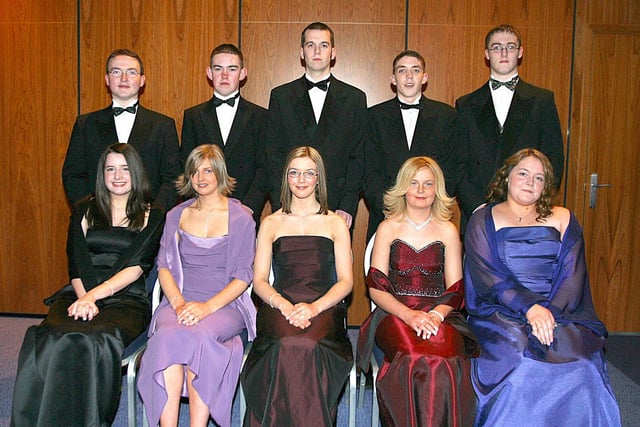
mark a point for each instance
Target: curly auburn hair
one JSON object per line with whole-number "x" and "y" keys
{"x": 499, "y": 186}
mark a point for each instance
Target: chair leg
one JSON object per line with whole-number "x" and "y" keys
{"x": 361, "y": 389}
{"x": 375, "y": 411}
{"x": 352, "y": 396}
{"x": 243, "y": 402}
{"x": 131, "y": 392}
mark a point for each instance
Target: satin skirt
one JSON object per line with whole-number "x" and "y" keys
{"x": 294, "y": 377}
{"x": 423, "y": 382}
{"x": 69, "y": 371}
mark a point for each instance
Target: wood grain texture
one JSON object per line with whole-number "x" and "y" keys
{"x": 38, "y": 97}
{"x": 604, "y": 141}
{"x": 174, "y": 39}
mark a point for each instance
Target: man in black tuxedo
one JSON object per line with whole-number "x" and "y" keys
{"x": 503, "y": 116}
{"x": 321, "y": 111}
{"x": 152, "y": 134}
{"x": 234, "y": 124}
{"x": 405, "y": 126}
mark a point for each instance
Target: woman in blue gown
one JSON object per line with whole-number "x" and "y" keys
{"x": 301, "y": 358}
{"x": 529, "y": 303}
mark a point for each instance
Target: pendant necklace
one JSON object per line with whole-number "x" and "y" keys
{"x": 520, "y": 218}
{"x": 420, "y": 226}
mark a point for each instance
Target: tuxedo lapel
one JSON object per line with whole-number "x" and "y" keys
{"x": 240, "y": 122}
{"x": 107, "y": 127}
{"x": 141, "y": 128}
{"x": 211, "y": 125}
{"x": 304, "y": 109}
{"x": 425, "y": 125}
{"x": 396, "y": 124}
{"x": 486, "y": 121}
{"x": 519, "y": 113}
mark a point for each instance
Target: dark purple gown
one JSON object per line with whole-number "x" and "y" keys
{"x": 295, "y": 376}
{"x": 421, "y": 382}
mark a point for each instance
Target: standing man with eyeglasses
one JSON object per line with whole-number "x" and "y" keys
{"x": 152, "y": 134}
{"x": 405, "y": 126}
{"x": 236, "y": 125}
{"x": 323, "y": 112}
{"x": 503, "y": 116}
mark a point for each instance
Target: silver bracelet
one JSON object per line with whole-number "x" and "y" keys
{"x": 106, "y": 282}
{"x": 173, "y": 299}
{"x": 438, "y": 314}
{"x": 273, "y": 295}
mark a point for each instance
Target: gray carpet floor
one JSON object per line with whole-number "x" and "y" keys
{"x": 623, "y": 366}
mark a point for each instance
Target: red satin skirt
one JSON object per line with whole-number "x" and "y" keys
{"x": 424, "y": 382}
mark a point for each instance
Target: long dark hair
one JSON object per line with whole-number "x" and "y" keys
{"x": 99, "y": 215}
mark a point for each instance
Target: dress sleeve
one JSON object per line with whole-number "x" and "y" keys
{"x": 243, "y": 250}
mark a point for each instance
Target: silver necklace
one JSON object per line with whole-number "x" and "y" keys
{"x": 420, "y": 226}
{"x": 520, "y": 218}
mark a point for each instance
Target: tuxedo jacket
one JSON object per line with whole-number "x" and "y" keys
{"x": 386, "y": 148}
{"x": 244, "y": 151}
{"x": 339, "y": 137}
{"x": 532, "y": 122}
{"x": 154, "y": 137}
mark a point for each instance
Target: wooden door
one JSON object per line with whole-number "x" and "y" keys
{"x": 606, "y": 141}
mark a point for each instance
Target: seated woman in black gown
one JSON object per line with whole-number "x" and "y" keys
{"x": 302, "y": 356}
{"x": 415, "y": 279}
{"x": 69, "y": 371}
{"x": 529, "y": 304}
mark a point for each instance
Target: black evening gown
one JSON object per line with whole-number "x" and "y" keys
{"x": 294, "y": 377}
{"x": 69, "y": 371}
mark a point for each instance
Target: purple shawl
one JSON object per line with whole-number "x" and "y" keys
{"x": 240, "y": 253}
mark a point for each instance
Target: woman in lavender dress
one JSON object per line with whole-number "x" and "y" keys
{"x": 204, "y": 268}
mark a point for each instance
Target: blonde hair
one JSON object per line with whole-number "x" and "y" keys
{"x": 395, "y": 202}
{"x": 213, "y": 153}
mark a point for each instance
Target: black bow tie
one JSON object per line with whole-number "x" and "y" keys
{"x": 406, "y": 106}
{"x": 230, "y": 101}
{"x": 511, "y": 84}
{"x": 323, "y": 85}
{"x": 119, "y": 110}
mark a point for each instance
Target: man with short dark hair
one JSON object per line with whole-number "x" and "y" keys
{"x": 236, "y": 125}
{"x": 503, "y": 116}
{"x": 321, "y": 111}
{"x": 152, "y": 134}
{"x": 405, "y": 126}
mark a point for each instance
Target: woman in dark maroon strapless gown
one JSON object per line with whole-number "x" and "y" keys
{"x": 425, "y": 377}
{"x": 301, "y": 357}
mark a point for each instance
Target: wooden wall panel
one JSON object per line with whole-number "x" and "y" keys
{"x": 37, "y": 94}
{"x": 173, "y": 38}
{"x": 368, "y": 35}
{"x": 604, "y": 140}
{"x": 451, "y": 37}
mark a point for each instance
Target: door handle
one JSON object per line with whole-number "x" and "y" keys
{"x": 593, "y": 191}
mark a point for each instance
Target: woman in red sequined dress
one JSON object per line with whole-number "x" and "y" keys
{"x": 425, "y": 377}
